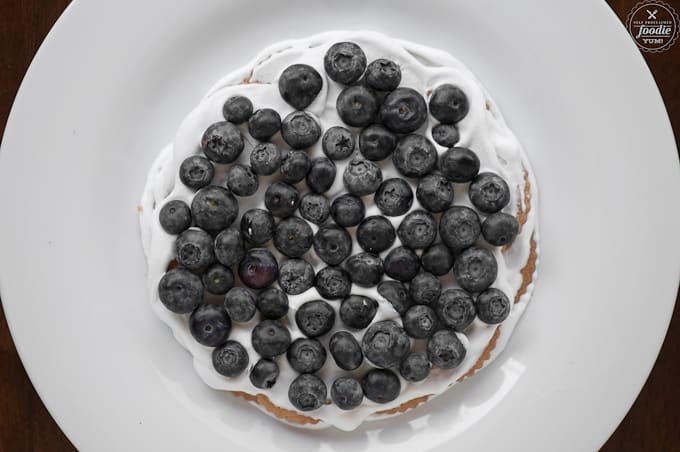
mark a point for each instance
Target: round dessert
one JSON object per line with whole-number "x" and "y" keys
{"x": 342, "y": 229}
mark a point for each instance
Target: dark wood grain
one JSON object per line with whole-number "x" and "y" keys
{"x": 653, "y": 423}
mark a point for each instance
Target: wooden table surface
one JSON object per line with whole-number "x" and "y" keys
{"x": 653, "y": 423}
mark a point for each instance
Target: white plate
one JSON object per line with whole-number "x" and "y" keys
{"x": 108, "y": 89}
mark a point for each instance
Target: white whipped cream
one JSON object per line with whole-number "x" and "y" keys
{"x": 483, "y": 130}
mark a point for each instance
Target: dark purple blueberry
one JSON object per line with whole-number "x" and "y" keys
{"x": 229, "y": 247}
{"x": 258, "y": 269}
{"x": 417, "y": 230}
{"x": 420, "y": 321}
{"x": 446, "y": 135}
{"x": 272, "y": 303}
{"x": 281, "y": 199}
{"x": 265, "y": 159}
{"x": 415, "y": 156}
{"x": 294, "y": 166}
{"x": 365, "y": 269}
{"x": 416, "y": 367}
{"x": 362, "y": 177}
{"x": 300, "y": 130}
{"x": 456, "y": 309}
{"x": 347, "y": 210}
{"x": 209, "y": 325}
{"x": 395, "y": 292}
{"x": 315, "y": 318}
{"x": 425, "y": 288}
{"x": 459, "y": 227}
{"x": 338, "y": 143}
{"x": 344, "y": 62}
{"x": 296, "y": 276}
{"x": 194, "y": 249}
{"x": 299, "y": 84}
{"x": 214, "y": 208}
{"x": 358, "y": 311}
{"x": 385, "y": 344}
{"x": 257, "y": 226}
{"x": 315, "y": 208}
{"x": 394, "y": 197}
{"x": 500, "y": 229}
{"x": 321, "y": 174}
{"x": 333, "y": 283}
{"x": 231, "y": 359}
{"x": 196, "y": 172}
{"x": 448, "y": 104}
{"x": 175, "y": 217}
{"x": 345, "y": 350}
{"x": 489, "y": 192}
{"x": 306, "y": 356}
{"x": 307, "y": 392}
{"x": 240, "y": 304}
{"x": 381, "y": 385}
{"x": 383, "y": 75}
{"x": 332, "y": 244}
{"x": 376, "y": 142}
{"x": 459, "y": 164}
{"x": 222, "y": 142}
{"x": 445, "y": 350}
{"x": 218, "y": 279}
{"x": 401, "y": 264}
{"x": 346, "y": 393}
{"x": 180, "y": 291}
{"x": 403, "y": 111}
{"x": 437, "y": 259}
{"x": 357, "y": 106}
{"x": 434, "y": 193}
{"x": 493, "y": 306}
{"x": 264, "y": 123}
{"x": 475, "y": 269}
{"x": 375, "y": 234}
{"x": 237, "y": 109}
{"x": 242, "y": 181}
{"x": 264, "y": 374}
{"x": 293, "y": 236}
{"x": 270, "y": 338}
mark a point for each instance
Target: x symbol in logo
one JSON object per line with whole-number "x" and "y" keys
{"x": 652, "y": 14}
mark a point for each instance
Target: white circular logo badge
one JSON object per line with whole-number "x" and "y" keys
{"x": 653, "y": 25}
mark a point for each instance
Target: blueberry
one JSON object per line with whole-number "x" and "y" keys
{"x": 456, "y": 309}
{"x": 265, "y": 159}
{"x": 332, "y": 244}
{"x": 257, "y": 226}
{"x": 237, "y": 109}
{"x": 196, "y": 172}
{"x": 358, "y": 311}
{"x": 365, "y": 269}
{"x": 357, "y": 106}
{"x": 231, "y": 359}
{"x": 448, "y": 104}
{"x": 385, "y": 344}
{"x": 294, "y": 166}
{"x": 315, "y": 318}
{"x": 415, "y": 367}
{"x": 240, "y": 304}
{"x": 347, "y": 210}
{"x": 489, "y": 192}
{"x": 459, "y": 227}
{"x": 300, "y": 130}
{"x": 425, "y": 288}
{"x": 218, "y": 279}
{"x": 500, "y": 229}
{"x": 338, "y": 143}
{"x": 315, "y": 208}
{"x": 437, "y": 259}
{"x": 264, "y": 124}
{"x": 493, "y": 306}
{"x": 299, "y": 85}
{"x": 459, "y": 164}
{"x": 293, "y": 236}
{"x": 346, "y": 393}
{"x": 445, "y": 350}
{"x": 475, "y": 269}
{"x": 333, "y": 283}
{"x": 281, "y": 199}
{"x": 307, "y": 392}
{"x": 264, "y": 374}
{"x": 345, "y": 62}
{"x": 345, "y": 350}
{"x": 296, "y": 276}
{"x": 401, "y": 264}
{"x": 242, "y": 181}
{"x": 362, "y": 177}
{"x": 209, "y": 325}
{"x": 417, "y": 230}
{"x": 420, "y": 321}
{"x": 375, "y": 234}
{"x": 321, "y": 174}
{"x": 272, "y": 303}
{"x": 258, "y": 269}
{"x": 270, "y": 338}
{"x": 403, "y": 111}
{"x": 445, "y": 135}
{"x": 394, "y": 197}
{"x": 381, "y": 385}
{"x": 194, "y": 249}
{"x": 395, "y": 292}
{"x": 175, "y": 216}
{"x": 434, "y": 193}
{"x": 415, "y": 156}
{"x": 306, "y": 356}
{"x": 214, "y": 208}
{"x": 383, "y": 75}
{"x": 180, "y": 291}
{"x": 222, "y": 142}
{"x": 229, "y": 247}
{"x": 376, "y": 142}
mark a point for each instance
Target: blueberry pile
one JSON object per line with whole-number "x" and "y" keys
{"x": 382, "y": 119}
